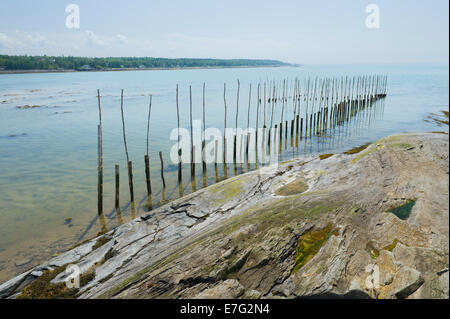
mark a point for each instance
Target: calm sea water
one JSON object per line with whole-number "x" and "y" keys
{"x": 48, "y": 154}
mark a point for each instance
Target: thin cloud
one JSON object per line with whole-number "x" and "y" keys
{"x": 7, "y": 42}
{"x": 88, "y": 43}
{"x": 122, "y": 38}
{"x": 95, "y": 40}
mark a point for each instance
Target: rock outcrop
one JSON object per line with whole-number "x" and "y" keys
{"x": 374, "y": 224}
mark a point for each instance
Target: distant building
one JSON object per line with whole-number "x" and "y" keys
{"x": 142, "y": 66}
{"x": 86, "y": 67}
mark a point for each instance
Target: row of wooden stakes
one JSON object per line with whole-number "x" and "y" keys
{"x": 318, "y": 105}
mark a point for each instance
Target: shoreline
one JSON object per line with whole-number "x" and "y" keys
{"x": 173, "y": 230}
{"x": 143, "y": 69}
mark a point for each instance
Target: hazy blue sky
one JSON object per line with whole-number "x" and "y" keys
{"x": 309, "y": 32}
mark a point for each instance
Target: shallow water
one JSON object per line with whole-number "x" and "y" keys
{"x": 48, "y": 154}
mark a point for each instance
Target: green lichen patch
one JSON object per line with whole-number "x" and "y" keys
{"x": 296, "y": 187}
{"x": 41, "y": 288}
{"x": 279, "y": 213}
{"x": 403, "y": 211}
{"x": 391, "y": 246}
{"x": 227, "y": 190}
{"x": 440, "y": 132}
{"x": 355, "y": 210}
{"x": 288, "y": 161}
{"x": 368, "y": 152}
{"x": 324, "y": 156}
{"x": 372, "y": 250}
{"x": 309, "y": 244}
{"x": 358, "y": 149}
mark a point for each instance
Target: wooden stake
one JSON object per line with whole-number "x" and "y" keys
{"x": 100, "y": 160}
{"x": 130, "y": 167}
{"x": 130, "y": 180}
{"x": 248, "y": 122}
{"x": 147, "y": 175}
{"x": 100, "y": 172}
{"x": 146, "y": 157}
{"x": 117, "y": 204}
{"x": 225, "y": 130}
{"x": 162, "y": 170}
{"x": 301, "y": 127}
{"x": 192, "y": 133}
{"x": 216, "y": 151}
{"x": 237, "y": 114}
{"x": 203, "y": 135}
{"x": 258, "y": 103}
{"x": 180, "y": 171}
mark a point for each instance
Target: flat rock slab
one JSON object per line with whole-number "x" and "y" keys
{"x": 332, "y": 237}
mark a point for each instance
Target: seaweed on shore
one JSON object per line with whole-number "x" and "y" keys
{"x": 324, "y": 156}
{"x": 309, "y": 245}
{"x": 42, "y": 288}
{"x": 358, "y": 149}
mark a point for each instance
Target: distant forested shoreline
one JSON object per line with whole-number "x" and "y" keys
{"x": 61, "y": 63}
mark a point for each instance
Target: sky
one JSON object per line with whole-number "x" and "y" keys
{"x": 295, "y": 31}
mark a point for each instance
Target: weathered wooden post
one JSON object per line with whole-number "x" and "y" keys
{"x": 203, "y": 134}
{"x": 248, "y": 123}
{"x": 130, "y": 166}
{"x": 193, "y": 177}
{"x": 117, "y": 184}
{"x": 146, "y": 157}
{"x": 292, "y": 130}
{"x": 241, "y": 152}
{"x": 192, "y": 133}
{"x": 285, "y": 133}
{"x": 318, "y": 123}
{"x": 180, "y": 169}
{"x": 236, "y": 126}
{"x": 130, "y": 178}
{"x": 100, "y": 172}
{"x": 301, "y": 128}
{"x": 225, "y": 131}
{"x": 258, "y": 102}
{"x": 162, "y": 169}
{"x": 315, "y": 123}
{"x": 100, "y": 159}
{"x": 216, "y": 154}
